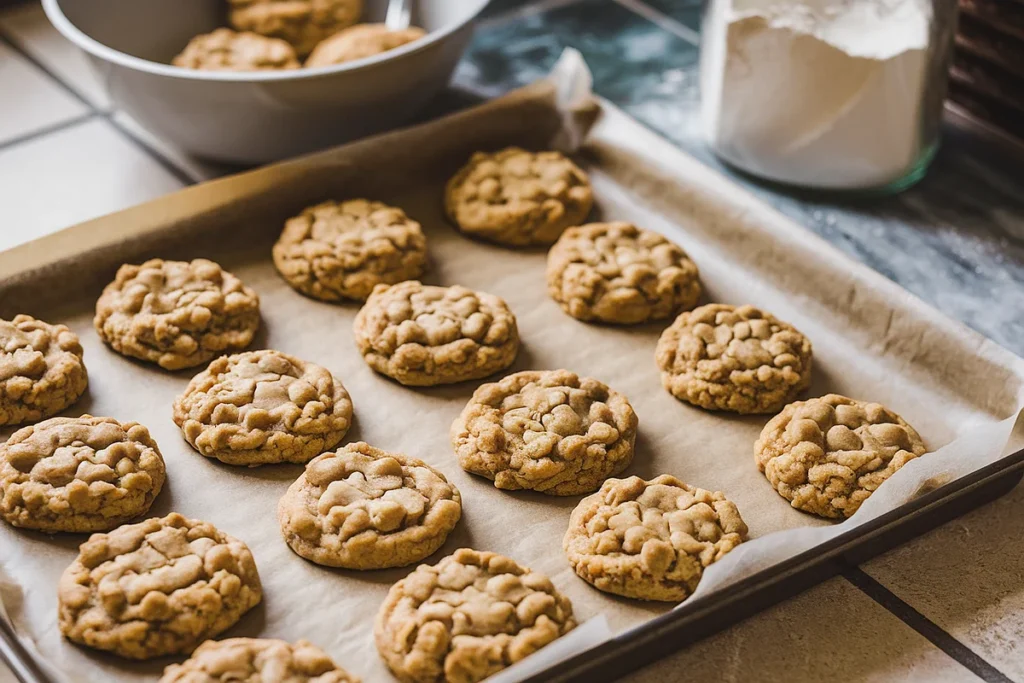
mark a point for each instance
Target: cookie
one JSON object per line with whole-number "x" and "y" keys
{"x": 518, "y": 198}
{"x": 177, "y": 314}
{"x": 257, "y": 660}
{"x": 262, "y": 407}
{"x": 41, "y": 370}
{"x": 359, "y": 42}
{"x": 303, "y": 23}
{"x": 159, "y": 587}
{"x": 738, "y": 359}
{"x": 548, "y": 431}
{"x": 618, "y": 273}
{"x": 227, "y": 50}
{"x": 828, "y": 454}
{"x": 468, "y": 617}
{"x": 650, "y": 540}
{"x": 342, "y": 250}
{"x": 364, "y": 508}
{"x": 79, "y": 474}
{"x": 420, "y": 335}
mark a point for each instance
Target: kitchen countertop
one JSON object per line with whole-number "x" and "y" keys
{"x": 948, "y": 606}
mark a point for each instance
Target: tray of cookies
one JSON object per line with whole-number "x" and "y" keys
{"x": 520, "y": 393}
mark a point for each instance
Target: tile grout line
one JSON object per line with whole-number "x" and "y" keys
{"x": 931, "y": 631}
{"x": 179, "y": 173}
{"x": 663, "y": 20}
{"x": 47, "y": 130}
{"x": 528, "y": 10}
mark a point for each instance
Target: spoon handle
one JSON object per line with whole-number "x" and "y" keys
{"x": 399, "y": 14}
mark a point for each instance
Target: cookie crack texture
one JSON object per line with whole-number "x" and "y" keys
{"x": 518, "y": 198}
{"x": 177, "y": 314}
{"x": 263, "y": 407}
{"x": 41, "y": 370}
{"x": 422, "y": 335}
{"x": 549, "y": 431}
{"x": 156, "y": 588}
{"x": 227, "y": 50}
{"x": 364, "y": 508}
{"x": 468, "y": 617}
{"x": 828, "y": 455}
{"x": 335, "y": 251}
{"x": 618, "y": 273}
{"x": 738, "y": 359}
{"x": 359, "y": 42}
{"x": 79, "y": 474}
{"x": 650, "y": 540}
{"x": 303, "y": 23}
{"x": 257, "y": 660}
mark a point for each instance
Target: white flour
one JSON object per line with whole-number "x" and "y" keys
{"x": 820, "y": 93}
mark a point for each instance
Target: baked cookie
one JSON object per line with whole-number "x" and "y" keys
{"x": 550, "y": 431}
{"x": 618, "y": 273}
{"x": 518, "y": 198}
{"x": 828, "y": 454}
{"x": 177, "y": 314}
{"x": 303, "y": 23}
{"x": 733, "y": 358}
{"x": 159, "y": 587}
{"x": 422, "y": 335}
{"x": 468, "y": 617}
{"x": 650, "y": 540}
{"x": 342, "y": 250}
{"x": 41, "y": 370}
{"x": 257, "y": 660}
{"x": 361, "y": 41}
{"x": 262, "y": 407}
{"x": 364, "y": 508}
{"x": 227, "y": 50}
{"x": 79, "y": 474}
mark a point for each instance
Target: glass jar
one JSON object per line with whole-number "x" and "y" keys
{"x": 826, "y": 94}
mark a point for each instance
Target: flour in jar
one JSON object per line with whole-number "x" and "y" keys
{"x": 819, "y": 93}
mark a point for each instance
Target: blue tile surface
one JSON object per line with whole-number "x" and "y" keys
{"x": 956, "y": 239}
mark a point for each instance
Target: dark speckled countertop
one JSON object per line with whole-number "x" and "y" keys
{"x": 956, "y": 239}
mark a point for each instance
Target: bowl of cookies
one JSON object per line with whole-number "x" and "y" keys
{"x": 254, "y": 81}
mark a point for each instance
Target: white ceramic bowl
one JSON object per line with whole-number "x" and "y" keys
{"x": 262, "y": 116}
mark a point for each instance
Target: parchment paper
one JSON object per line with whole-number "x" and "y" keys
{"x": 871, "y": 340}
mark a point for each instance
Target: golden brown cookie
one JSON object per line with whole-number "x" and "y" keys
{"x": 518, "y": 198}
{"x": 79, "y": 474}
{"x": 257, "y": 660}
{"x": 364, "y": 508}
{"x": 549, "y": 431}
{"x": 159, "y": 587}
{"x": 227, "y": 50}
{"x": 176, "y": 314}
{"x": 342, "y": 250}
{"x": 41, "y": 370}
{"x": 618, "y": 273}
{"x": 303, "y": 23}
{"x": 827, "y": 455}
{"x": 361, "y": 41}
{"x": 422, "y": 335}
{"x": 733, "y": 358}
{"x": 650, "y": 540}
{"x": 468, "y": 617}
{"x": 263, "y": 407}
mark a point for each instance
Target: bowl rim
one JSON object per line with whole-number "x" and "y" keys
{"x": 86, "y": 42}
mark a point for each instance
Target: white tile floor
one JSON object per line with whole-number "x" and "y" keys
{"x": 36, "y": 102}
{"x": 64, "y": 158}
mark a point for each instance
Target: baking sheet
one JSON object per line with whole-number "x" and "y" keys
{"x": 872, "y": 340}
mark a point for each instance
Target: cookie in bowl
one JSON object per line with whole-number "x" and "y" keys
{"x": 227, "y": 50}
{"x": 361, "y": 41}
{"x": 302, "y": 23}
